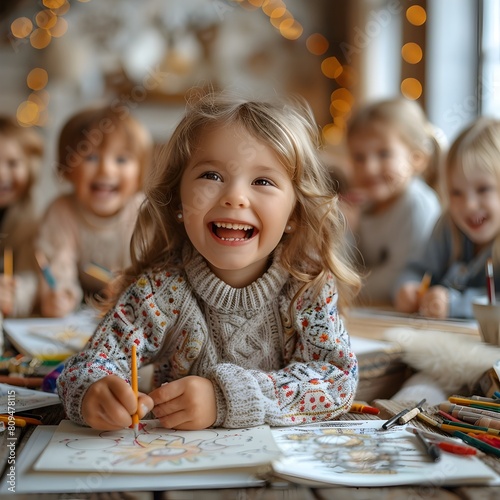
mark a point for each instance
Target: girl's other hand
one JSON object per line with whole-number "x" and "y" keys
{"x": 57, "y": 303}
{"x": 407, "y": 298}
{"x": 110, "y": 403}
{"x": 435, "y": 303}
{"x": 7, "y": 293}
{"x": 188, "y": 403}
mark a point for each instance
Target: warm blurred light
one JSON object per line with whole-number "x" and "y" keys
{"x": 331, "y": 67}
{"x": 332, "y": 134}
{"x": 276, "y": 21}
{"x": 339, "y": 107}
{"x": 317, "y": 44}
{"x": 53, "y": 4}
{"x": 40, "y": 38}
{"x": 256, "y": 3}
{"x": 340, "y": 121}
{"x": 84, "y": 1}
{"x": 27, "y": 113}
{"x": 60, "y": 28}
{"x": 268, "y": 6}
{"x": 21, "y": 27}
{"x": 291, "y": 29}
{"x": 342, "y": 94}
{"x": 46, "y": 19}
{"x": 40, "y": 98}
{"x": 37, "y": 79}
{"x": 279, "y": 12}
{"x": 416, "y": 15}
{"x": 411, "y": 88}
{"x": 60, "y": 11}
{"x": 348, "y": 77}
{"x": 412, "y": 53}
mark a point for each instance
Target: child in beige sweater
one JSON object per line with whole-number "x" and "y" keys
{"x": 104, "y": 154}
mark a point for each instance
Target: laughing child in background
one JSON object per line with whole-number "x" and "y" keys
{"x": 104, "y": 154}
{"x": 391, "y": 146}
{"x": 467, "y": 234}
{"x": 21, "y": 151}
{"x": 238, "y": 270}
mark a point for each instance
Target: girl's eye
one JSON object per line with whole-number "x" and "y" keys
{"x": 385, "y": 153}
{"x": 454, "y": 193}
{"x": 122, "y": 159}
{"x": 12, "y": 164}
{"x": 485, "y": 189}
{"x": 263, "y": 182}
{"x": 91, "y": 158}
{"x": 211, "y": 176}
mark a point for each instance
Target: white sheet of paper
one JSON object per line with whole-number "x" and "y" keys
{"x": 156, "y": 449}
{"x": 24, "y": 399}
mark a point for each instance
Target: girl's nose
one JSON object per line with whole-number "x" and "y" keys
{"x": 234, "y": 196}
{"x": 105, "y": 165}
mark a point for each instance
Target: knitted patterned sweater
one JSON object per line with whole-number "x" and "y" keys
{"x": 266, "y": 367}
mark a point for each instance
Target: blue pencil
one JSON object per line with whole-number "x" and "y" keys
{"x": 46, "y": 272}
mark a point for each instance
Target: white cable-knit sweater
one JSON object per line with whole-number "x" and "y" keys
{"x": 265, "y": 367}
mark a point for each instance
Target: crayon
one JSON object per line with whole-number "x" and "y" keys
{"x": 473, "y": 428}
{"x": 361, "y": 408}
{"x": 424, "y": 284}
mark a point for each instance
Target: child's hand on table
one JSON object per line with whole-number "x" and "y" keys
{"x": 188, "y": 403}
{"x": 434, "y": 303}
{"x": 408, "y": 298}
{"x": 110, "y": 403}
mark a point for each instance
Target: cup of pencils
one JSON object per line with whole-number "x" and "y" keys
{"x": 487, "y": 314}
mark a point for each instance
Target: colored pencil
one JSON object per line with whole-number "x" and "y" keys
{"x": 45, "y": 269}
{"x": 424, "y": 284}
{"x": 490, "y": 281}
{"x": 477, "y": 443}
{"x": 135, "y": 388}
{"x": 8, "y": 262}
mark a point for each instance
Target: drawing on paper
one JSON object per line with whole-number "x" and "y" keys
{"x": 156, "y": 449}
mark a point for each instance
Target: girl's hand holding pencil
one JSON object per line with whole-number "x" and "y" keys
{"x": 111, "y": 402}
{"x": 7, "y": 294}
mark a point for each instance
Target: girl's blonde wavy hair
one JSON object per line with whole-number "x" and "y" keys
{"x": 315, "y": 249}
{"x": 477, "y": 147}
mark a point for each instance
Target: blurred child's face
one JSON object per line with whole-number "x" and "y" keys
{"x": 381, "y": 165}
{"x": 236, "y": 201}
{"x": 475, "y": 204}
{"x": 14, "y": 172}
{"x": 106, "y": 178}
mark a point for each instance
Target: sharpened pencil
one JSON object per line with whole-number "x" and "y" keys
{"x": 135, "y": 388}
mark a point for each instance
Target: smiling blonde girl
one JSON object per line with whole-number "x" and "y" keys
{"x": 239, "y": 266}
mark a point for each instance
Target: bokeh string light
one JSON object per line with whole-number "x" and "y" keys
{"x": 47, "y": 24}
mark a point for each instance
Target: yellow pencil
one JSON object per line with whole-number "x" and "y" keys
{"x": 135, "y": 388}
{"x": 424, "y": 284}
{"x": 8, "y": 262}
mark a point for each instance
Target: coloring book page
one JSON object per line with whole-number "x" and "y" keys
{"x": 22, "y": 399}
{"x": 51, "y": 338}
{"x": 360, "y": 453}
{"x": 155, "y": 449}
